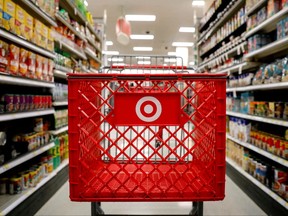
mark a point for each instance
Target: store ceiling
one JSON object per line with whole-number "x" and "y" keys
{"x": 170, "y": 15}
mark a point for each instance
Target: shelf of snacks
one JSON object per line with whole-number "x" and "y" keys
{"x": 60, "y": 103}
{"x": 267, "y": 190}
{"x": 268, "y": 24}
{"x": 253, "y": 5}
{"x": 69, "y": 46}
{"x": 66, "y": 23}
{"x": 27, "y": 114}
{"x": 12, "y": 80}
{"x": 37, "y": 11}
{"x": 270, "y": 49}
{"x": 238, "y": 68}
{"x": 73, "y": 11}
{"x": 25, "y": 157}
{"x": 228, "y": 50}
{"x": 262, "y": 87}
{"x": 59, "y": 131}
{"x": 259, "y": 118}
{"x": 267, "y": 154}
{"x": 25, "y": 43}
{"x": 92, "y": 55}
{"x": 9, "y": 202}
{"x": 221, "y": 20}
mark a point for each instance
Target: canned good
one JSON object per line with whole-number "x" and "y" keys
{"x": 8, "y": 101}
{"x": 15, "y": 185}
{"x": 22, "y": 102}
{"x": 16, "y": 103}
{"x": 30, "y": 102}
{"x": 3, "y": 185}
{"x": 32, "y": 178}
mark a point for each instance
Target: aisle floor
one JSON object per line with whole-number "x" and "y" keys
{"x": 236, "y": 203}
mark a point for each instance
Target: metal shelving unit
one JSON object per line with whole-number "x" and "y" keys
{"x": 263, "y": 87}
{"x": 59, "y": 131}
{"x": 60, "y": 103}
{"x": 239, "y": 67}
{"x": 21, "y": 115}
{"x": 9, "y": 202}
{"x": 22, "y": 42}
{"x": 270, "y": 49}
{"x": 91, "y": 55}
{"x": 76, "y": 52}
{"x": 17, "y": 161}
{"x": 258, "y": 184}
{"x": 273, "y": 157}
{"x": 11, "y": 80}
{"x": 259, "y": 119}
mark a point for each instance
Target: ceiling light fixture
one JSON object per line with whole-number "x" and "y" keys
{"x": 183, "y": 44}
{"x": 167, "y": 60}
{"x": 110, "y": 52}
{"x": 142, "y": 37}
{"x": 192, "y": 63}
{"x": 198, "y": 3}
{"x": 147, "y": 18}
{"x": 116, "y": 59}
{"x": 144, "y": 62}
{"x": 143, "y": 57}
{"x": 109, "y": 43}
{"x": 143, "y": 48}
{"x": 187, "y": 29}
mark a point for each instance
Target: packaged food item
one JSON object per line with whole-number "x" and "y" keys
{"x": 44, "y": 36}
{"x": 4, "y": 56}
{"x": 9, "y": 10}
{"x": 37, "y": 32}
{"x": 31, "y": 63}
{"x": 277, "y": 71}
{"x": 15, "y": 186}
{"x": 50, "y": 40}
{"x": 22, "y": 102}
{"x": 273, "y": 6}
{"x": 3, "y": 186}
{"x": 285, "y": 112}
{"x": 39, "y": 67}
{"x": 23, "y": 67}
{"x": 20, "y": 21}
{"x": 285, "y": 69}
{"x": 271, "y": 110}
{"x": 1, "y": 15}
{"x": 14, "y": 53}
{"x": 51, "y": 66}
{"x": 268, "y": 73}
{"x": 279, "y": 108}
{"x": 45, "y": 65}
{"x": 29, "y": 24}
{"x": 16, "y": 102}
{"x": 284, "y": 3}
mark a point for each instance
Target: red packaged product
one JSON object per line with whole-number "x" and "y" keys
{"x": 23, "y": 67}
{"x": 4, "y": 56}
{"x": 31, "y": 63}
{"x": 14, "y": 53}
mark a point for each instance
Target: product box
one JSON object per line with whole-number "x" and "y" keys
{"x": 9, "y": 10}
{"x": 14, "y": 53}
{"x": 37, "y": 32}
{"x": 44, "y": 36}
{"x": 1, "y": 15}
{"x": 273, "y": 6}
{"x": 39, "y": 67}
{"x": 20, "y": 21}
{"x": 50, "y": 41}
{"x": 29, "y": 23}
{"x": 4, "y": 56}
{"x": 23, "y": 67}
{"x": 271, "y": 110}
{"x": 31, "y": 63}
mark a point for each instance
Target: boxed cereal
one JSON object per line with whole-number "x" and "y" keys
{"x": 44, "y": 36}
{"x": 14, "y": 52}
{"x": 9, "y": 9}
{"x": 23, "y": 67}
{"x": 4, "y": 56}
{"x": 50, "y": 41}
{"x": 29, "y": 22}
{"x": 37, "y": 32}
{"x": 20, "y": 21}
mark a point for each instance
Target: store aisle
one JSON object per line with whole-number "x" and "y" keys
{"x": 235, "y": 203}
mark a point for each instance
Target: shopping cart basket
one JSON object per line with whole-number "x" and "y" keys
{"x": 146, "y": 133}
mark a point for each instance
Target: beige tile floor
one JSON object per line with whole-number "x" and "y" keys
{"x": 236, "y": 203}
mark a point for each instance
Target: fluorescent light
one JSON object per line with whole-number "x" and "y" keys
{"x": 187, "y": 29}
{"x": 144, "y": 62}
{"x": 143, "y": 57}
{"x": 143, "y": 48}
{"x": 118, "y": 64}
{"x": 109, "y": 43}
{"x": 110, "y": 52}
{"x": 116, "y": 59}
{"x": 182, "y": 44}
{"x": 198, "y": 3}
{"x": 167, "y": 60}
{"x": 142, "y": 37}
{"x": 172, "y": 53}
{"x": 192, "y": 63}
{"x": 149, "y": 18}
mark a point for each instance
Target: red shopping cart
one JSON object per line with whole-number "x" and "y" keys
{"x": 147, "y": 133}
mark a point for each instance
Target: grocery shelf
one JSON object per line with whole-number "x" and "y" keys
{"x": 64, "y": 69}
{"x": 25, "y": 157}
{"x": 11, "y": 80}
{"x": 273, "y": 157}
{"x": 222, "y": 20}
{"x": 94, "y": 45}
{"x": 223, "y": 56}
{"x": 35, "y": 11}
{"x": 60, "y": 74}
{"x": 263, "y": 87}
{"x": 9, "y": 202}
{"x": 60, "y": 103}
{"x": 26, "y": 44}
{"x": 92, "y": 55}
{"x": 73, "y": 11}
{"x": 259, "y": 119}
{"x": 270, "y": 49}
{"x": 269, "y": 24}
{"x": 76, "y": 52}
{"x": 77, "y": 33}
{"x": 59, "y": 131}
{"x": 239, "y": 67}
{"x": 257, "y": 6}
{"x": 258, "y": 184}
{"x": 93, "y": 32}
{"x": 21, "y": 115}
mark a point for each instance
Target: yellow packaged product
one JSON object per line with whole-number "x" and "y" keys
{"x": 23, "y": 67}
{"x": 39, "y": 67}
{"x": 44, "y": 36}
{"x": 14, "y": 53}
{"x": 9, "y": 9}
{"x": 20, "y": 21}
{"x": 37, "y": 32}
{"x": 29, "y": 22}
{"x": 50, "y": 41}
{"x": 1, "y": 11}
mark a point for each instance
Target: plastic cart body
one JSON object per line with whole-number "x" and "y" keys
{"x": 146, "y": 136}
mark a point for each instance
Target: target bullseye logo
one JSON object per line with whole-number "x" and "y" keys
{"x": 148, "y": 109}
